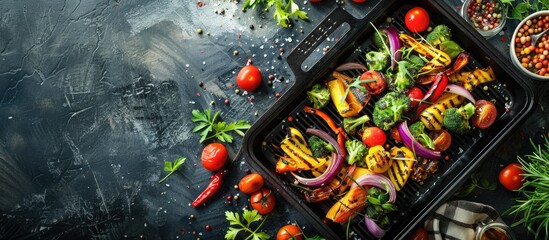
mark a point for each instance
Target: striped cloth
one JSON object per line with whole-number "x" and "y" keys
{"x": 457, "y": 220}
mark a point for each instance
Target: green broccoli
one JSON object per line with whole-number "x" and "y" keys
{"x": 457, "y": 119}
{"x": 319, "y": 147}
{"x": 440, "y": 33}
{"x": 356, "y": 151}
{"x": 352, "y": 125}
{"x": 404, "y": 78}
{"x": 418, "y": 132}
{"x": 377, "y": 61}
{"x": 440, "y": 38}
{"x": 319, "y": 96}
{"x": 389, "y": 109}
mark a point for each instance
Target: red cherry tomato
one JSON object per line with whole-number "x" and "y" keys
{"x": 214, "y": 156}
{"x": 373, "y": 136}
{"x": 442, "y": 139}
{"x": 485, "y": 114}
{"x": 251, "y": 183}
{"x": 377, "y": 86}
{"x": 415, "y": 94}
{"x": 263, "y": 201}
{"x": 511, "y": 176}
{"x": 417, "y": 19}
{"x": 249, "y": 78}
{"x": 289, "y": 232}
{"x": 359, "y": 1}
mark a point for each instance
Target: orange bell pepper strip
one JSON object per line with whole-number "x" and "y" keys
{"x": 349, "y": 206}
{"x": 341, "y": 135}
{"x": 337, "y": 186}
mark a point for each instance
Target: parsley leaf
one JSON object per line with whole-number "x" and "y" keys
{"x": 170, "y": 167}
{"x": 236, "y": 225}
{"x": 476, "y": 182}
{"x": 207, "y": 123}
{"x": 284, "y": 10}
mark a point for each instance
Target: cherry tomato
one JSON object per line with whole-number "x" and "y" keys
{"x": 289, "y": 232}
{"x": 417, "y": 19}
{"x": 395, "y": 134}
{"x": 214, "y": 156}
{"x": 251, "y": 183}
{"x": 377, "y": 86}
{"x": 415, "y": 94}
{"x": 249, "y": 78}
{"x": 485, "y": 114}
{"x": 511, "y": 176}
{"x": 263, "y": 201}
{"x": 373, "y": 136}
{"x": 359, "y": 1}
{"x": 419, "y": 234}
{"x": 442, "y": 139}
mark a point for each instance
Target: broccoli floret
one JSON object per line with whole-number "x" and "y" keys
{"x": 319, "y": 147}
{"x": 388, "y": 109}
{"x": 319, "y": 96}
{"x": 404, "y": 78}
{"x": 457, "y": 119}
{"x": 440, "y": 33}
{"x": 418, "y": 132}
{"x": 352, "y": 125}
{"x": 356, "y": 151}
{"x": 377, "y": 61}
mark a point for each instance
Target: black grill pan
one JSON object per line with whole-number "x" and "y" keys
{"x": 513, "y": 95}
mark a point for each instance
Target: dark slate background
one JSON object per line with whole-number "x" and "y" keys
{"x": 95, "y": 95}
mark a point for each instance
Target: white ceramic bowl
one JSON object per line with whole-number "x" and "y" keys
{"x": 514, "y": 57}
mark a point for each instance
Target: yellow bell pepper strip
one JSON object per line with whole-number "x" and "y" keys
{"x": 433, "y": 115}
{"x": 378, "y": 159}
{"x": 337, "y": 186}
{"x": 341, "y": 135}
{"x": 439, "y": 59}
{"x": 461, "y": 61}
{"x": 348, "y": 107}
{"x": 400, "y": 170}
{"x": 295, "y": 147}
{"x": 287, "y": 164}
{"x": 470, "y": 80}
{"x": 348, "y": 206}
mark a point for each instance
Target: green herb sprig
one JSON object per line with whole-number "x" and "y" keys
{"x": 208, "y": 124}
{"x": 524, "y": 8}
{"x": 480, "y": 183}
{"x": 170, "y": 167}
{"x": 236, "y": 225}
{"x": 532, "y": 203}
{"x": 284, "y": 10}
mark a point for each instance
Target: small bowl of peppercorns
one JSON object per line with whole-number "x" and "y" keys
{"x": 532, "y": 58}
{"x": 486, "y": 16}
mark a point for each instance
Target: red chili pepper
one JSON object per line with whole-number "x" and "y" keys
{"x": 461, "y": 61}
{"x": 341, "y": 136}
{"x": 436, "y": 90}
{"x": 211, "y": 189}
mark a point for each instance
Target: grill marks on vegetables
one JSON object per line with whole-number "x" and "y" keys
{"x": 433, "y": 115}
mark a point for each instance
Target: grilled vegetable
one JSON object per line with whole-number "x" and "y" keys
{"x": 469, "y": 80}
{"x": 400, "y": 170}
{"x": 388, "y": 110}
{"x": 440, "y": 34}
{"x": 356, "y": 150}
{"x": 457, "y": 119}
{"x": 353, "y": 125}
{"x": 319, "y": 147}
{"x": 295, "y": 147}
{"x": 349, "y": 206}
{"x": 377, "y": 61}
{"x": 337, "y": 186}
{"x": 346, "y": 105}
{"x": 404, "y": 78}
{"x": 341, "y": 136}
{"x": 418, "y": 132}
{"x": 319, "y": 96}
{"x": 423, "y": 169}
{"x": 439, "y": 59}
{"x": 378, "y": 159}
{"x": 433, "y": 115}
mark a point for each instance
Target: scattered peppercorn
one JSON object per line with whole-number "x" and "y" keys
{"x": 236, "y": 91}
{"x": 235, "y": 52}
{"x": 199, "y": 31}
{"x": 212, "y": 103}
{"x": 201, "y": 84}
{"x": 252, "y": 27}
{"x": 208, "y": 228}
{"x": 485, "y": 14}
{"x": 229, "y": 197}
{"x": 277, "y": 95}
{"x": 227, "y": 101}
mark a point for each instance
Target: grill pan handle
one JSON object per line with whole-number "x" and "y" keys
{"x": 318, "y": 35}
